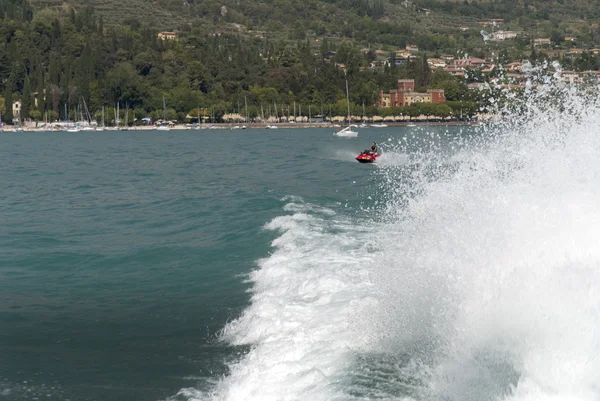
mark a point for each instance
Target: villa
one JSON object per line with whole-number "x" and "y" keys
{"x": 167, "y": 35}
{"x": 405, "y": 95}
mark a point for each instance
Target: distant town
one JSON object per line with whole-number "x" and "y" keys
{"x": 136, "y": 77}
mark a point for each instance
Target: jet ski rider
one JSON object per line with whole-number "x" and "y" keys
{"x": 371, "y": 151}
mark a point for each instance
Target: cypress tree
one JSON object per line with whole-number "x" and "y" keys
{"x": 26, "y": 99}
{"x": 8, "y": 114}
{"x": 48, "y": 98}
{"x": 426, "y": 71}
{"x": 40, "y": 87}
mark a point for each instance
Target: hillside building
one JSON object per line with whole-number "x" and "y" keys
{"x": 541, "y": 42}
{"x": 167, "y": 35}
{"x": 16, "y": 110}
{"x": 436, "y": 62}
{"x": 405, "y": 95}
{"x": 503, "y": 35}
{"x": 471, "y": 62}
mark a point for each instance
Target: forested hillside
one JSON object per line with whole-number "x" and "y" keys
{"x": 260, "y": 52}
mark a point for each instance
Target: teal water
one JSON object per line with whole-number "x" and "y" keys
{"x": 271, "y": 266}
{"x": 124, "y": 255}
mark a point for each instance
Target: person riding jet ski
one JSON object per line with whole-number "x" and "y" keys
{"x": 372, "y": 150}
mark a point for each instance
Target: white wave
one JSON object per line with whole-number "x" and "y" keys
{"x": 480, "y": 282}
{"x": 492, "y": 269}
{"x": 393, "y": 159}
{"x": 299, "y": 322}
{"x": 345, "y": 155}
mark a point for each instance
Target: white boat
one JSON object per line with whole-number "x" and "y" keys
{"x": 411, "y": 125}
{"x": 197, "y": 126}
{"x": 379, "y": 125}
{"x": 235, "y": 127}
{"x": 165, "y": 126}
{"x": 272, "y": 127}
{"x": 85, "y": 122}
{"x": 347, "y": 132}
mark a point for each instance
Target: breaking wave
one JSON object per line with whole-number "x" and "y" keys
{"x": 480, "y": 281}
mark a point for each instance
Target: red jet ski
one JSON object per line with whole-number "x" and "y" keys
{"x": 367, "y": 157}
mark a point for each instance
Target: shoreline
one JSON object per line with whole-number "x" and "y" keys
{"x": 234, "y": 126}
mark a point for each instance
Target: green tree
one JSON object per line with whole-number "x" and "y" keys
{"x": 5, "y": 67}
{"x": 26, "y": 99}
{"x": 7, "y": 115}
{"x": 197, "y": 77}
{"x": 36, "y": 115}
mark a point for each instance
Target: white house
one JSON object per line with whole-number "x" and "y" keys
{"x": 503, "y": 35}
{"x": 17, "y": 110}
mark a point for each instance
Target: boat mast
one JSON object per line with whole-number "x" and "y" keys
{"x": 348, "y": 101}
{"x": 87, "y": 112}
{"x": 363, "y": 116}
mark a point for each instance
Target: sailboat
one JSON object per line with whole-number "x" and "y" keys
{"x": 246, "y": 107}
{"x": 85, "y": 121}
{"x": 117, "y": 122}
{"x": 198, "y": 125}
{"x": 363, "y": 124}
{"x": 347, "y": 132}
{"x": 165, "y": 125}
{"x": 126, "y": 125}
{"x": 274, "y": 126}
{"x": 212, "y": 118}
{"x": 70, "y": 128}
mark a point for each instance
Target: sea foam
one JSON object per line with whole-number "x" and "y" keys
{"x": 479, "y": 282}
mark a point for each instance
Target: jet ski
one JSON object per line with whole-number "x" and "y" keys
{"x": 367, "y": 157}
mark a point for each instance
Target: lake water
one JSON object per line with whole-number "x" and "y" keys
{"x": 270, "y": 265}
